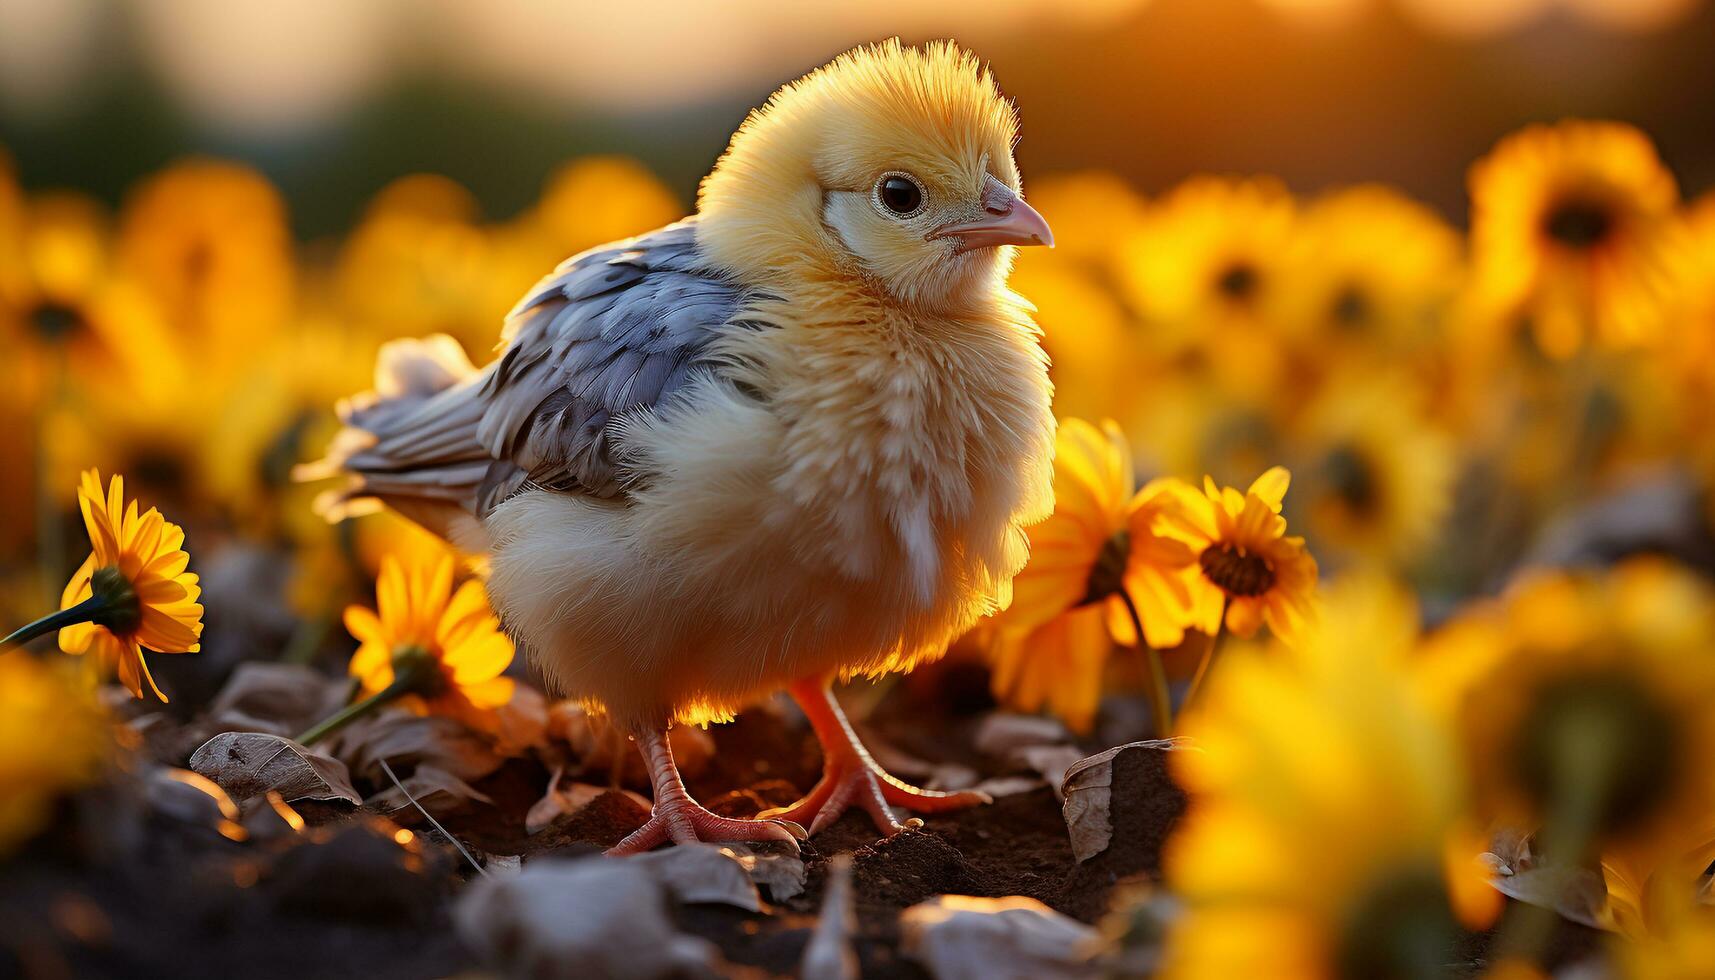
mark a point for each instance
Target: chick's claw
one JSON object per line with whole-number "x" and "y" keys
{"x": 678, "y": 819}
{"x": 684, "y": 822}
{"x": 850, "y": 776}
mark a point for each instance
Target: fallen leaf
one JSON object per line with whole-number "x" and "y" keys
{"x": 247, "y": 764}
{"x": 274, "y": 697}
{"x": 1578, "y": 894}
{"x": 1087, "y": 789}
{"x": 435, "y": 789}
{"x": 522, "y": 722}
{"x": 957, "y": 937}
{"x": 699, "y": 874}
{"x": 574, "y": 919}
{"x": 829, "y": 954}
{"x": 1001, "y": 733}
{"x": 1000, "y": 786}
{"x": 404, "y": 739}
{"x": 771, "y": 866}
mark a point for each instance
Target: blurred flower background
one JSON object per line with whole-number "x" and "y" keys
{"x": 1450, "y": 262}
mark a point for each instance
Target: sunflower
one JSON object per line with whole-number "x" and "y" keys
{"x": 1099, "y": 556}
{"x": 1575, "y": 232}
{"x": 433, "y": 649}
{"x": 1380, "y": 479}
{"x": 53, "y": 739}
{"x": 1205, "y": 268}
{"x": 133, "y": 588}
{"x": 1371, "y": 272}
{"x": 1584, "y": 705}
{"x": 1324, "y": 835}
{"x": 599, "y": 199}
{"x": 1247, "y": 571}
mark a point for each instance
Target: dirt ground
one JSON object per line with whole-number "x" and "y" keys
{"x": 122, "y": 894}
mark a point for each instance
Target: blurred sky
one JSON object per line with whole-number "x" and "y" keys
{"x": 332, "y": 98}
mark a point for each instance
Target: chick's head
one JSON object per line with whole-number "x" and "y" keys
{"x": 892, "y": 164}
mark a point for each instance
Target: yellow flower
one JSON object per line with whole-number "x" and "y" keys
{"x": 445, "y": 646}
{"x": 137, "y": 576}
{"x": 1584, "y": 705}
{"x": 1370, "y": 269}
{"x": 1324, "y": 835}
{"x": 1574, "y": 232}
{"x": 209, "y": 241}
{"x": 595, "y": 200}
{"x": 1204, "y": 270}
{"x": 1381, "y": 477}
{"x": 53, "y": 739}
{"x": 1247, "y": 568}
{"x": 1102, "y": 544}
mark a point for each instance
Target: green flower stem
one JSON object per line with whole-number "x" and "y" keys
{"x": 1157, "y": 673}
{"x": 1583, "y": 778}
{"x": 1209, "y": 650}
{"x": 83, "y": 612}
{"x": 352, "y": 712}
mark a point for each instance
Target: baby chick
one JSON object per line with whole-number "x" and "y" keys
{"x": 790, "y": 438}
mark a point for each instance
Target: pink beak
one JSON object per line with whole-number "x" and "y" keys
{"x": 1009, "y": 221}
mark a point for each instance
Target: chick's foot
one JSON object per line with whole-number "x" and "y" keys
{"x": 850, "y": 775}
{"x": 679, "y": 819}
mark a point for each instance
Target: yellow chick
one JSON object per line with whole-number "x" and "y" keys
{"x": 793, "y": 437}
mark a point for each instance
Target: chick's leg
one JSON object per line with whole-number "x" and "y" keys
{"x": 678, "y": 818}
{"x": 850, "y": 776}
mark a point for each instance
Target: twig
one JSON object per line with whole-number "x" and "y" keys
{"x": 432, "y": 821}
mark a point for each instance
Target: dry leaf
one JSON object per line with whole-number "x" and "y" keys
{"x": 772, "y": 866}
{"x": 697, "y": 874}
{"x": 247, "y": 764}
{"x": 1578, "y": 894}
{"x": 829, "y": 954}
{"x": 274, "y": 697}
{"x": 521, "y": 723}
{"x": 958, "y": 937}
{"x": 1088, "y": 791}
{"x": 1001, "y": 734}
{"x": 576, "y": 919}
{"x": 435, "y": 789}
{"x": 404, "y": 739}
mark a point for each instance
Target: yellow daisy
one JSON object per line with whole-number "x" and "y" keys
{"x": 1248, "y": 571}
{"x": 1380, "y": 477}
{"x": 433, "y": 649}
{"x": 1324, "y": 835}
{"x": 1584, "y": 705}
{"x": 1371, "y": 270}
{"x": 1575, "y": 232}
{"x": 53, "y": 739}
{"x": 133, "y": 589}
{"x": 1099, "y": 556}
{"x": 1204, "y": 270}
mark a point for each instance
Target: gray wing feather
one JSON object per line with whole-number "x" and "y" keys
{"x": 612, "y": 332}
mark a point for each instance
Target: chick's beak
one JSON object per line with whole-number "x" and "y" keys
{"x": 1007, "y": 221}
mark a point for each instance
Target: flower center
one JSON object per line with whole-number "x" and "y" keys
{"x": 120, "y": 614}
{"x": 56, "y": 321}
{"x": 1603, "y": 737}
{"x": 417, "y": 668}
{"x": 1107, "y": 575}
{"x": 1236, "y": 570}
{"x": 1402, "y": 928}
{"x": 1238, "y": 282}
{"x": 1578, "y": 224}
{"x": 1351, "y": 308}
{"x": 1352, "y": 479}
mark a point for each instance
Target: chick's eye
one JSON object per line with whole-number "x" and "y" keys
{"x": 899, "y": 195}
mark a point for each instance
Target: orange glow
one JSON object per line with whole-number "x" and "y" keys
{"x": 293, "y": 819}
{"x": 1472, "y": 18}
{"x": 403, "y": 837}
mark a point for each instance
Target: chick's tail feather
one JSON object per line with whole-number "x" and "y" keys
{"x": 411, "y": 443}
